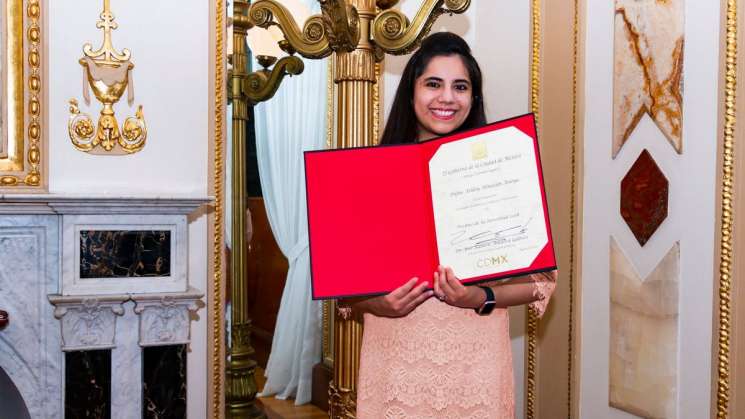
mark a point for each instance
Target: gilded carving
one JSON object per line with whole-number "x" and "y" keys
{"x": 394, "y": 34}
{"x": 648, "y": 68}
{"x": 108, "y": 73}
{"x": 21, "y": 140}
{"x": 310, "y": 42}
{"x": 727, "y": 218}
{"x": 217, "y": 315}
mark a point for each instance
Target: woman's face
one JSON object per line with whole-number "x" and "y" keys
{"x": 442, "y": 97}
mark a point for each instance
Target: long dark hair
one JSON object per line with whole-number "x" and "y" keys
{"x": 402, "y": 123}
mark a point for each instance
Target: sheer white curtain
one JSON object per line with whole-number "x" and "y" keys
{"x": 288, "y": 124}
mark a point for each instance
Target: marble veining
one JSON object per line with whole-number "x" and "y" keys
{"x": 124, "y": 254}
{"x": 30, "y": 345}
{"x": 88, "y": 384}
{"x": 117, "y": 253}
{"x": 644, "y": 336}
{"x": 164, "y": 382}
{"x": 648, "y": 68}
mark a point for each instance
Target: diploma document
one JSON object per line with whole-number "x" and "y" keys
{"x": 474, "y": 201}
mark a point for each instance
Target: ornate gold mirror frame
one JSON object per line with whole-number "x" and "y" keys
{"x": 21, "y": 145}
{"x": 341, "y": 338}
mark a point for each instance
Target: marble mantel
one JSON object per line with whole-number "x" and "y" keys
{"x": 95, "y": 204}
{"x": 49, "y": 314}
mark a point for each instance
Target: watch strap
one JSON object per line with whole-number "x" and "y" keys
{"x": 489, "y": 302}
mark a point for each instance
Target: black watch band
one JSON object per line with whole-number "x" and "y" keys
{"x": 489, "y": 302}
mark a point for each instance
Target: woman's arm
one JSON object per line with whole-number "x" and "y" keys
{"x": 513, "y": 292}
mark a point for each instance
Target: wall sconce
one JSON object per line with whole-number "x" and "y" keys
{"x": 108, "y": 73}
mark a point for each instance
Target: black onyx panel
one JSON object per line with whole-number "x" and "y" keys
{"x": 88, "y": 385}
{"x": 164, "y": 382}
{"x": 122, "y": 253}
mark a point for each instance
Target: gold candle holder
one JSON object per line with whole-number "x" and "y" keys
{"x": 107, "y": 73}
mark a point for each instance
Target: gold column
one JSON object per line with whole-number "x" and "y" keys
{"x": 354, "y": 75}
{"x": 241, "y": 385}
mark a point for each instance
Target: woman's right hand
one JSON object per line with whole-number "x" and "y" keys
{"x": 400, "y": 301}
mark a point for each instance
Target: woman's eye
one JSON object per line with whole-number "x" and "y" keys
{"x": 432, "y": 84}
{"x": 461, "y": 87}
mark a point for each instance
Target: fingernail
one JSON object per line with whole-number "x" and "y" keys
{"x": 426, "y": 284}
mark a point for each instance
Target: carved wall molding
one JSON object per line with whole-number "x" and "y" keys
{"x": 164, "y": 318}
{"x": 30, "y": 344}
{"x": 88, "y": 322}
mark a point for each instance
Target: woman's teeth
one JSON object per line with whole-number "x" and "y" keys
{"x": 443, "y": 113}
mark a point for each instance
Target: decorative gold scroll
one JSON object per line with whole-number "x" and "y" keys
{"x": 21, "y": 155}
{"x": 394, "y": 34}
{"x": 311, "y": 42}
{"x": 261, "y": 85}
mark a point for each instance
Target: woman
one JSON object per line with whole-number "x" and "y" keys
{"x": 441, "y": 357}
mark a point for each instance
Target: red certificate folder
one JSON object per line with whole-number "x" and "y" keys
{"x": 370, "y": 218}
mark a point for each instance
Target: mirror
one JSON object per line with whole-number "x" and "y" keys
{"x": 506, "y": 68}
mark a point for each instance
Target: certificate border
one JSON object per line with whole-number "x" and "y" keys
{"x": 453, "y": 137}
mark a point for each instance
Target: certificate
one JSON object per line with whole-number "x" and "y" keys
{"x": 378, "y": 216}
{"x": 487, "y": 203}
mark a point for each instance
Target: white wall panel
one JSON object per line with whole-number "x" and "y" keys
{"x": 692, "y": 177}
{"x": 170, "y": 49}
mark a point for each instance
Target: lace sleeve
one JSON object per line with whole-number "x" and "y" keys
{"x": 543, "y": 287}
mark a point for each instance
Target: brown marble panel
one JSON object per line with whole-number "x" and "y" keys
{"x": 648, "y": 68}
{"x": 643, "y": 367}
{"x": 644, "y": 192}
{"x": 122, "y": 254}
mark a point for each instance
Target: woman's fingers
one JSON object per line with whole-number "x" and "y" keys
{"x": 454, "y": 283}
{"x": 438, "y": 289}
{"x": 445, "y": 285}
{"x": 418, "y": 300}
{"x": 414, "y": 293}
{"x": 404, "y": 289}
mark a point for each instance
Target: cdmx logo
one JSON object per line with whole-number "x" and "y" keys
{"x": 491, "y": 261}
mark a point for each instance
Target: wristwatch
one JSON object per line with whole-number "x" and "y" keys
{"x": 488, "y": 304}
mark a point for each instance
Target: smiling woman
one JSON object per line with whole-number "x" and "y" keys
{"x": 442, "y": 87}
{"x": 442, "y": 97}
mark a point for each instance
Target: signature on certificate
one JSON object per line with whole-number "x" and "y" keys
{"x": 488, "y": 238}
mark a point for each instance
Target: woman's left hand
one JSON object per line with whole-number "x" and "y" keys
{"x": 450, "y": 290}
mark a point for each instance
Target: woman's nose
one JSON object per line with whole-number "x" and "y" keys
{"x": 446, "y": 95}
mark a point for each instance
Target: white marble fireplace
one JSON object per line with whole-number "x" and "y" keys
{"x": 55, "y": 304}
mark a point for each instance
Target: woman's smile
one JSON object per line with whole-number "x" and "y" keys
{"x": 443, "y": 114}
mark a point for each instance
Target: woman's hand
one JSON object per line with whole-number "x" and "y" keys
{"x": 450, "y": 290}
{"x": 400, "y": 301}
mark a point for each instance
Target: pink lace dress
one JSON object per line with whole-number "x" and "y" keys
{"x": 439, "y": 361}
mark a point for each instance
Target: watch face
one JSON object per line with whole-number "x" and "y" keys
{"x": 487, "y": 307}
